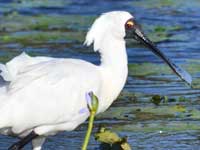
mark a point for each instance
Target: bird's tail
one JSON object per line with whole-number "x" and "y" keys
{"x": 4, "y": 117}
{"x": 4, "y": 114}
{"x": 4, "y": 73}
{"x": 4, "y": 109}
{"x": 10, "y": 70}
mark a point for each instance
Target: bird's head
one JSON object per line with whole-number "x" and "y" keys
{"x": 108, "y": 24}
{"x": 122, "y": 25}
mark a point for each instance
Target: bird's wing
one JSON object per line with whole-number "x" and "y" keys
{"x": 10, "y": 70}
{"x": 52, "y": 71}
{"x": 51, "y": 92}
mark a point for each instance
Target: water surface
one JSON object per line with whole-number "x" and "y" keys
{"x": 57, "y": 29}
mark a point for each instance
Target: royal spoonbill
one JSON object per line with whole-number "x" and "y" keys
{"x": 45, "y": 95}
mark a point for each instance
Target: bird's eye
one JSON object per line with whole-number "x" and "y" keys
{"x": 129, "y": 24}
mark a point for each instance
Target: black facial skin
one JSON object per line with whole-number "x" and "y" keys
{"x": 134, "y": 32}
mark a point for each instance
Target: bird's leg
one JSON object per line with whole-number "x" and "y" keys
{"x": 38, "y": 142}
{"x": 19, "y": 145}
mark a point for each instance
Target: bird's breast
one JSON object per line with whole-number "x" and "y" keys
{"x": 112, "y": 85}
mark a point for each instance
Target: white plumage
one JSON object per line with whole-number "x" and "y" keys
{"x": 47, "y": 95}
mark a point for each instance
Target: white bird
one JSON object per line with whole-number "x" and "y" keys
{"x": 47, "y": 95}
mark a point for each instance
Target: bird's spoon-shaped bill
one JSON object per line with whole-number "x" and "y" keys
{"x": 184, "y": 75}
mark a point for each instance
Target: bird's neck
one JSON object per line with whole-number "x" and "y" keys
{"x": 114, "y": 70}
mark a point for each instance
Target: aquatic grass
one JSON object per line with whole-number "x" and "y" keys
{"x": 16, "y": 22}
{"x": 196, "y": 83}
{"x": 156, "y": 3}
{"x": 147, "y": 69}
{"x": 43, "y": 3}
{"x": 17, "y": 28}
{"x": 178, "y": 5}
{"x": 156, "y": 127}
{"x": 41, "y": 37}
{"x": 151, "y": 69}
{"x": 164, "y": 33}
{"x": 176, "y": 109}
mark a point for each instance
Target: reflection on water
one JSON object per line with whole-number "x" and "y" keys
{"x": 57, "y": 29}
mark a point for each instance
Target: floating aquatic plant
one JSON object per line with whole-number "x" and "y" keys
{"x": 111, "y": 140}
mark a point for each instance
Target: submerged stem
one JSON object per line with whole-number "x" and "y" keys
{"x": 93, "y": 107}
{"x": 89, "y": 130}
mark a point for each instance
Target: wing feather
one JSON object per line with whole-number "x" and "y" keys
{"x": 55, "y": 87}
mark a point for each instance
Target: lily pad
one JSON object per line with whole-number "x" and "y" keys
{"x": 111, "y": 140}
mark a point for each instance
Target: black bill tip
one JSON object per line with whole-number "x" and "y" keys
{"x": 184, "y": 75}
